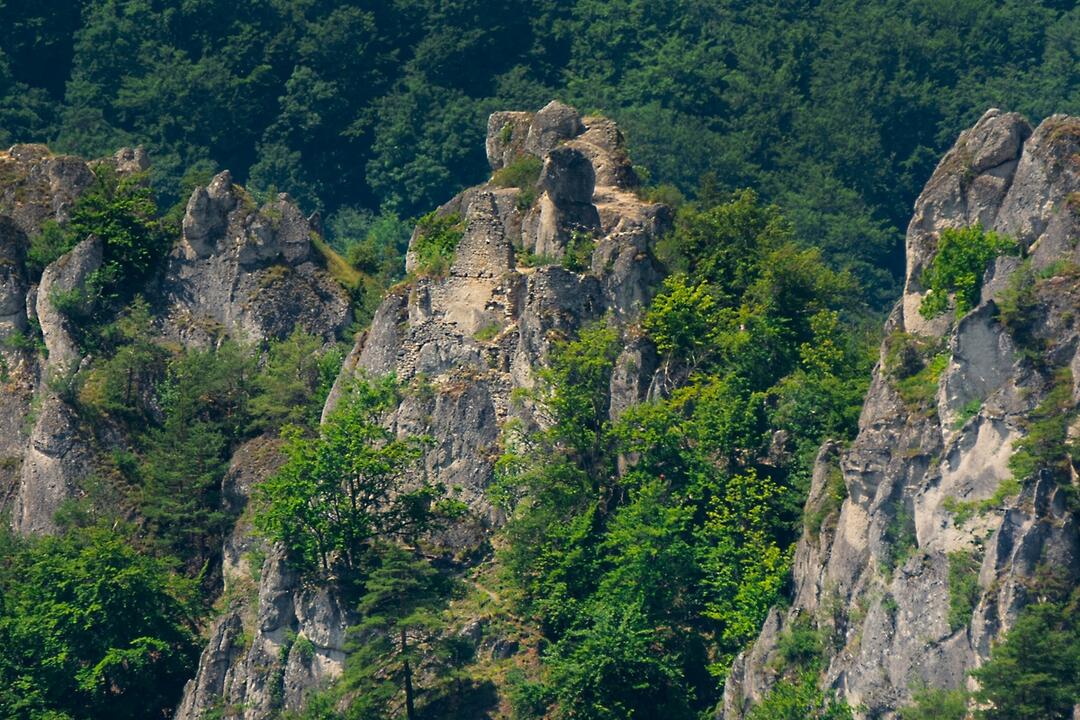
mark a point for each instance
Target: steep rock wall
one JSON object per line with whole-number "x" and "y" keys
{"x": 238, "y": 271}
{"x": 462, "y": 343}
{"x": 874, "y": 578}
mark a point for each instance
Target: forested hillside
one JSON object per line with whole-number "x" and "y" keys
{"x": 836, "y": 110}
{"x": 382, "y": 385}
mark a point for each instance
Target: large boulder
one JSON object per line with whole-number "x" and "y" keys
{"x": 553, "y": 124}
{"x": 67, "y": 278}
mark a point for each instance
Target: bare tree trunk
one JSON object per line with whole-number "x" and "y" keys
{"x": 410, "y": 711}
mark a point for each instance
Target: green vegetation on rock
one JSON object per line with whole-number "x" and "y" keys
{"x": 437, "y": 237}
{"x": 958, "y": 266}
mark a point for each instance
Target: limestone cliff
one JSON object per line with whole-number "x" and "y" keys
{"x": 463, "y": 342}
{"x": 237, "y": 271}
{"x": 922, "y": 478}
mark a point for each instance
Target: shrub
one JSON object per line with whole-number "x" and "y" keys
{"x": 800, "y": 646}
{"x": 963, "y": 588}
{"x": 901, "y": 538}
{"x": 523, "y": 172}
{"x": 1046, "y": 444}
{"x": 665, "y": 193}
{"x": 958, "y": 268}
{"x": 968, "y": 411}
{"x": 488, "y": 332}
{"x": 936, "y": 704}
{"x": 527, "y": 258}
{"x": 578, "y": 252}
{"x": 437, "y": 239}
{"x": 914, "y": 364}
{"x": 800, "y": 699}
{"x": 1016, "y": 309}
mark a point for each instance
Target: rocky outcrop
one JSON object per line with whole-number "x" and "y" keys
{"x": 480, "y": 332}
{"x": 238, "y": 271}
{"x": 248, "y": 665}
{"x": 36, "y": 185}
{"x": 248, "y": 272}
{"x": 922, "y": 475}
{"x": 66, "y": 278}
{"x": 42, "y": 456}
{"x": 461, "y": 344}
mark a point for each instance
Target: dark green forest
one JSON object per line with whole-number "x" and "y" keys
{"x": 791, "y": 139}
{"x": 835, "y": 110}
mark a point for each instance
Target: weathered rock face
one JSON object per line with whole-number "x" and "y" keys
{"x": 478, "y": 333}
{"x": 40, "y": 456}
{"x": 875, "y": 577}
{"x": 246, "y": 272}
{"x": 58, "y": 455}
{"x": 461, "y": 344}
{"x": 238, "y": 271}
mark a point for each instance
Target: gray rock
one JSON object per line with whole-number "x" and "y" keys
{"x": 908, "y": 466}
{"x": 59, "y": 456}
{"x": 39, "y": 186}
{"x": 248, "y": 273}
{"x": 968, "y": 187}
{"x": 506, "y": 135}
{"x": 67, "y": 277}
{"x": 553, "y": 124}
{"x": 131, "y": 161}
{"x": 605, "y": 145}
{"x": 568, "y": 176}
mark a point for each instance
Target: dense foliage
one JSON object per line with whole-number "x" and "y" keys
{"x": 649, "y": 547}
{"x": 836, "y": 110}
{"x": 91, "y": 628}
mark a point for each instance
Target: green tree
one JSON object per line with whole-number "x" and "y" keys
{"x": 183, "y": 460}
{"x": 340, "y": 491}
{"x": 123, "y": 382}
{"x": 292, "y": 385}
{"x": 91, "y": 628}
{"x": 401, "y": 605}
{"x": 743, "y": 564}
{"x": 614, "y": 668}
{"x": 1035, "y": 672}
